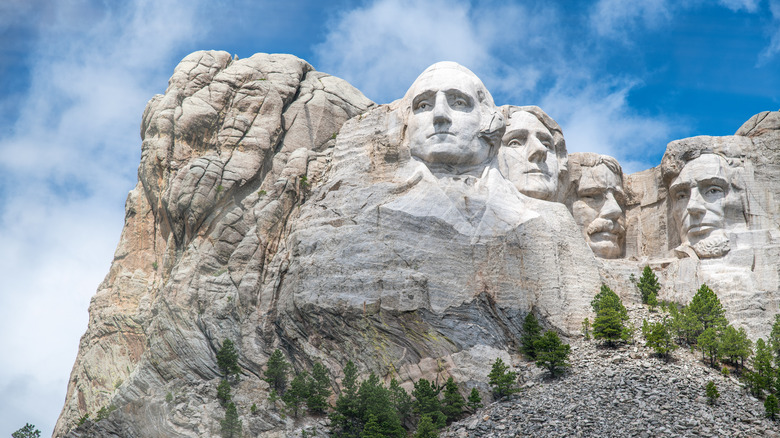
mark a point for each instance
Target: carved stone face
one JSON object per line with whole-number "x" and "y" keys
{"x": 698, "y": 197}
{"x": 598, "y": 210}
{"x": 445, "y": 121}
{"x": 527, "y": 157}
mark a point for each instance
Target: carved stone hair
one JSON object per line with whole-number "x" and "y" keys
{"x": 492, "y": 124}
{"x": 579, "y": 160}
{"x": 680, "y": 152}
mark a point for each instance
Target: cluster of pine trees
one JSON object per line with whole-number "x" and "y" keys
{"x": 369, "y": 408}
{"x": 701, "y": 324}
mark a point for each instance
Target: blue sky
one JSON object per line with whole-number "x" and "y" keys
{"x": 622, "y": 77}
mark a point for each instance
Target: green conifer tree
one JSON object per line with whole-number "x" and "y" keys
{"x": 648, "y": 284}
{"x": 452, "y": 405}
{"x": 771, "y": 406}
{"x": 230, "y": 426}
{"x": 426, "y": 402}
{"x": 28, "y": 431}
{"x": 346, "y": 420}
{"x": 475, "y": 400}
{"x": 223, "y": 392}
{"x": 658, "y": 336}
{"x": 531, "y": 332}
{"x": 372, "y": 429}
{"x": 735, "y": 346}
{"x": 708, "y": 342}
{"x": 712, "y": 392}
{"x": 319, "y": 389}
{"x": 586, "y": 328}
{"x": 276, "y": 372}
{"x": 611, "y": 317}
{"x": 774, "y": 340}
{"x": 298, "y": 392}
{"x": 426, "y": 428}
{"x": 706, "y": 307}
{"x": 227, "y": 359}
{"x": 374, "y": 399}
{"x": 762, "y": 366}
{"x": 551, "y": 353}
{"x": 502, "y": 380}
{"x": 401, "y": 400}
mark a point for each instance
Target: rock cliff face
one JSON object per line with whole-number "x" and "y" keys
{"x": 280, "y": 208}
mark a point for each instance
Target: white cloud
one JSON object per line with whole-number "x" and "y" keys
{"x": 773, "y": 48}
{"x": 737, "y": 5}
{"x": 67, "y": 164}
{"x": 615, "y": 18}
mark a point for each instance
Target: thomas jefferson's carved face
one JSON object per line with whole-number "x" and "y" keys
{"x": 527, "y": 156}
{"x": 598, "y": 210}
{"x": 444, "y": 124}
{"x": 698, "y": 197}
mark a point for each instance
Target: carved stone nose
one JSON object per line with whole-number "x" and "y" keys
{"x": 611, "y": 208}
{"x": 441, "y": 110}
{"x": 537, "y": 152}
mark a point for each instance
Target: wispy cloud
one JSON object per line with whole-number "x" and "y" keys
{"x": 771, "y": 51}
{"x": 66, "y": 158}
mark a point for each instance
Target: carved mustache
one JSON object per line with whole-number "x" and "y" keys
{"x": 600, "y": 225}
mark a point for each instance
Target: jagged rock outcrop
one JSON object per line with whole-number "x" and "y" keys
{"x": 280, "y": 208}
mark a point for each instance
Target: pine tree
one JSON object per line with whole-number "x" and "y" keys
{"x": 712, "y": 392}
{"x": 685, "y": 324}
{"x": 648, "y": 284}
{"x": 372, "y": 429}
{"x": 426, "y": 428}
{"x": 551, "y": 353}
{"x": 319, "y": 389}
{"x": 298, "y": 393}
{"x": 762, "y": 366}
{"x": 374, "y": 399}
{"x": 501, "y": 379}
{"x": 231, "y": 425}
{"x": 401, "y": 400}
{"x": 426, "y": 402}
{"x": 227, "y": 359}
{"x": 774, "y": 340}
{"x": 708, "y": 341}
{"x": 223, "y": 392}
{"x": 735, "y": 346}
{"x": 611, "y": 317}
{"x": 531, "y": 332}
{"x": 452, "y": 405}
{"x": 586, "y": 329}
{"x": 276, "y": 372}
{"x": 771, "y": 406}
{"x": 658, "y": 336}
{"x": 475, "y": 401}
{"x": 346, "y": 421}
{"x": 706, "y": 307}
{"x": 28, "y": 431}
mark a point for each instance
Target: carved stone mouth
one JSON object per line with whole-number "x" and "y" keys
{"x": 441, "y": 133}
{"x": 603, "y": 236}
{"x": 699, "y": 229}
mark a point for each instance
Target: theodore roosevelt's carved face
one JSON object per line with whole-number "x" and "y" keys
{"x": 698, "y": 197}
{"x": 528, "y": 156}
{"x": 444, "y": 125}
{"x": 598, "y": 210}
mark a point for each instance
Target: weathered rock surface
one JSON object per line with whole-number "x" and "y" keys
{"x": 279, "y": 208}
